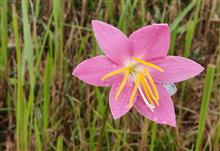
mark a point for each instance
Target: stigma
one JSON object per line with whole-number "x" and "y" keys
{"x": 143, "y": 82}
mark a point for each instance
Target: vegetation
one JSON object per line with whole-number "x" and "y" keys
{"x": 43, "y": 107}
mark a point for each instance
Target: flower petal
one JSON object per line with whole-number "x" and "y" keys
{"x": 176, "y": 69}
{"x": 151, "y": 41}
{"x": 163, "y": 114}
{"x": 112, "y": 41}
{"x": 92, "y": 70}
{"x": 120, "y": 106}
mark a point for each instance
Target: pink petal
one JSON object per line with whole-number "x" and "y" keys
{"x": 176, "y": 69}
{"x": 151, "y": 41}
{"x": 112, "y": 41}
{"x": 120, "y": 106}
{"x": 163, "y": 114}
{"x": 92, "y": 70}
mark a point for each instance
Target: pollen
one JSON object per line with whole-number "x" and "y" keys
{"x": 143, "y": 82}
{"x": 146, "y": 90}
{"x": 152, "y": 84}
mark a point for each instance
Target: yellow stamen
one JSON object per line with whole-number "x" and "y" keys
{"x": 134, "y": 91}
{"x": 113, "y": 73}
{"x": 143, "y": 84}
{"x": 148, "y": 64}
{"x": 122, "y": 84}
{"x": 150, "y": 91}
{"x": 153, "y": 85}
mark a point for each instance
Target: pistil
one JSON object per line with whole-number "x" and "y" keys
{"x": 138, "y": 82}
{"x": 142, "y": 79}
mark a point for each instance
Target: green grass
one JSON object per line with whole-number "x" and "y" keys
{"x": 19, "y": 102}
{"x": 45, "y": 116}
{"x": 4, "y": 36}
{"x": 205, "y": 104}
{"x": 153, "y": 136}
{"x": 43, "y": 107}
{"x": 38, "y": 136}
{"x": 59, "y": 143}
{"x": 190, "y": 29}
{"x": 181, "y": 16}
{"x": 217, "y": 135}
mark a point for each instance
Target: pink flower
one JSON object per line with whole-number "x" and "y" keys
{"x": 136, "y": 67}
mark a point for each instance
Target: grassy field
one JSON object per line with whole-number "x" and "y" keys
{"x": 43, "y": 107}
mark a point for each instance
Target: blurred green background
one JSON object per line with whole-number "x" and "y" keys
{"x": 43, "y": 107}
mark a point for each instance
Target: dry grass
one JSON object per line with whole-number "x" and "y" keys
{"x": 59, "y": 112}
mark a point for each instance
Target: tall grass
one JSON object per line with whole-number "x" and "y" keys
{"x": 55, "y": 111}
{"x": 59, "y": 143}
{"x": 4, "y": 36}
{"x": 190, "y": 29}
{"x": 46, "y": 95}
{"x": 19, "y": 100}
{"x": 29, "y": 59}
{"x": 38, "y": 136}
{"x": 153, "y": 136}
{"x": 205, "y": 104}
{"x": 217, "y": 135}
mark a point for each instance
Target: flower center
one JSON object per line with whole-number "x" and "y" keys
{"x": 143, "y": 80}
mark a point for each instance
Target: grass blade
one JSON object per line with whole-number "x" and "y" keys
{"x": 28, "y": 54}
{"x": 4, "y": 35}
{"x": 180, "y": 17}
{"x": 124, "y": 10}
{"x": 37, "y": 135}
{"x": 19, "y": 103}
{"x": 205, "y": 102}
{"x": 46, "y": 95}
{"x": 153, "y": 136}
{"x": 143, "y": 12}
{"x": 188, "y": 40}
{"x": 172, "y": 42}
{"x": 217, "y": 133}
{"x": 60, "y": 143}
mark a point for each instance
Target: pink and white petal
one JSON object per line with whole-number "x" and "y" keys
{"x": 92, "y": 70}
{"x": 112, "y": 41}
{"x": 176, "y": 69}
{"x": 120, "y": 106}
{"x": 151, "y": 41}
{"x": 163, "y": 114}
